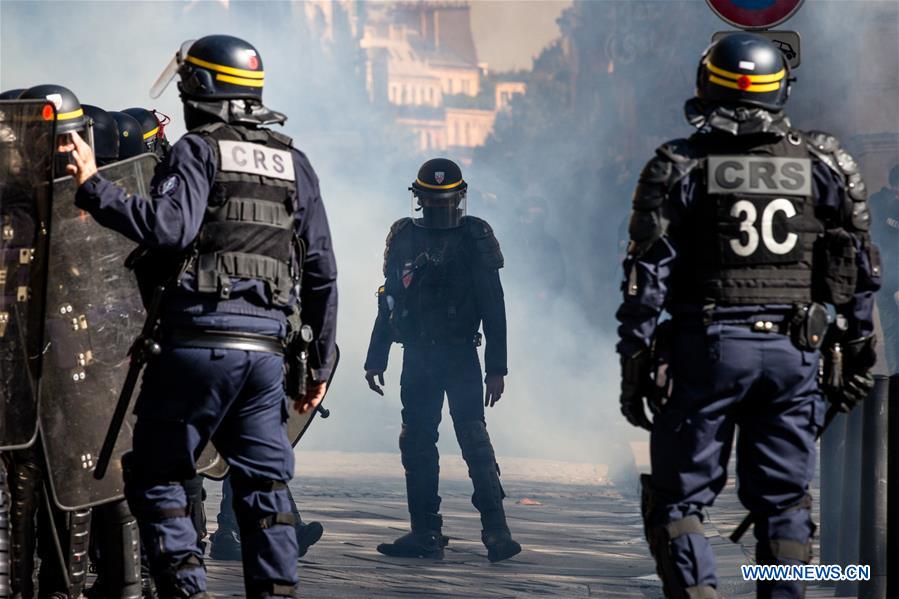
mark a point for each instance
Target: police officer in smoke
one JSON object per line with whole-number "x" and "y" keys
{"x": 741, "y": 232}
{"x": 238, "y": 209}
{"x": 441, "y": 271}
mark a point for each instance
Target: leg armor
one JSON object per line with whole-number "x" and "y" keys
{"x": 5, "y": 590}
{"x": 484, "y": 472}
{"x": 664, "y": 541}
{"x": 26, "y": 496}
{"x": 117, "y": 541}
{"x": 421, "y": 462}
{"x": 168, "y": 533}
{"x": 785, "y": 538}
{"x": 268, "y": 537}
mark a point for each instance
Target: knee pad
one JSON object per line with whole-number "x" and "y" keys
{"x": 417, "y": 449}
{"x": 474, "y": 441}
{"x": 242, "y": 487}
{"x": 660, "y": 538}
{"x": 772, "y": 548}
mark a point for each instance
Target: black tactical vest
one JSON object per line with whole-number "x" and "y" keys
{"x": 248, "y": 229}
{"x": 431, "y": 285}
{"x": 751, "y": 228}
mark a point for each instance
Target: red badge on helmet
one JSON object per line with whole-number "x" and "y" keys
{"x": 408, "y": 271}
{"x": 439, "y": 176}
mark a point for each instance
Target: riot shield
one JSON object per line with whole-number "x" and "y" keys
{"x": 27, "y": 135}
{"x": 297, "y": 424}
{"x": 93, "y": 314}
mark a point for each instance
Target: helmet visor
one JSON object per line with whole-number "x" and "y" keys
{"x": 439, "y": 210}
{"x": 170, "y": 70}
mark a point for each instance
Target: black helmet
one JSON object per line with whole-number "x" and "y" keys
{"x": 150, "y": 125}
{"x": 69, "y": 114}
{"x": 11, "y": 94}
{"x": 131, "y": 138}
{"x": 106, "y": 134}
{"x": 220, "y": 67}
{"x": 439, "y": 193}
{"x": 744, "y": 68}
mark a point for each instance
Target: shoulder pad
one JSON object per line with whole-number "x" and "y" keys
{"x": 677, "y": 150}
{"x": 281, "y": 138}
{"x": 207, "y": 128}
{"x": 485, "y": 242}
{"x": 395, "y": 229}
{"x": 827, "y": 149}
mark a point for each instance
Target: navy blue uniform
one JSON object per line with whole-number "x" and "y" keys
{"x": 440, "y": 285}
{"x": 234, "y": 398}
{"x": 732, "y": 361}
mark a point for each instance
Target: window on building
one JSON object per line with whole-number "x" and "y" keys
{"x": 465, "y": 86}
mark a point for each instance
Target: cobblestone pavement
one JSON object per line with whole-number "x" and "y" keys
{"x": 582, "y": 535}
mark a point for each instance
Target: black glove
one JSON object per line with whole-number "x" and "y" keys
{"x": 635, "y": 386}
{"x": 858, "y": 381}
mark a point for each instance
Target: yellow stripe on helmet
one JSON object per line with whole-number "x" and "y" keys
{"x": 239, "y": 80}
{"x": 752, "y": 78}
{"x": 429, "y": 186}
{"x": 150, "y": 134}
{"x": 758, "y": 87}
{"x": 220, "y": 68}
{"x": 67, "y": 116}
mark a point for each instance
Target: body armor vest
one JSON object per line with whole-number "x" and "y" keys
{"x": 750, "y": 233}
{"x": 248, "y": 230}
{"x": 432, "y": 287}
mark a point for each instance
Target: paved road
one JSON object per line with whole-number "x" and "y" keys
{"x": 582, "y": 535}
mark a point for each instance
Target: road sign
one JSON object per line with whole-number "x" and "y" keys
{"x": 754, "y": 14}
{"x": 787, "y": 41}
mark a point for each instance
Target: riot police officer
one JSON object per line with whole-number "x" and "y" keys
{"x": 742, "y": 232}
{"x": 28, "y": 467}
{"x": 242, "y": 206}
{"x": 130, "y": 135}
{"x": 442, "y": 281}
{"x": 152, "y": 130}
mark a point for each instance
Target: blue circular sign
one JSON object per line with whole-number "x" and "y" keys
{"x": 754, "y": 14}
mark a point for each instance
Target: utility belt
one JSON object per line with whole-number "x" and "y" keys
{"x": 806, "y": 324}
{"x": 211, "y": 339}
{"x": 473, "y": 341}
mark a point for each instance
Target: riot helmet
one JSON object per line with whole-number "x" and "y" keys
{"x": 131, "y": 137}
{"x": 11, "y": 94}
{"x": 106, "y": 134}
{"x": 220, "y": 79}
{"x": 744, "y": 69}
{"x": 152, "y": 128}
{"x": 894, "y": 177}
{"x": 69, "y": 117}
{"x": 438, "y": 195}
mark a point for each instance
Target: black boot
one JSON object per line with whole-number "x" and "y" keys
{"x": 500, "y": 545}
{"x": 225, "y": 545}
{"x": 307, "y": 536}
{"x": 426, "y": 544}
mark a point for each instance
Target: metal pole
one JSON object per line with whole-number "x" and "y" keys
{"x": 833, "y": 442}
{"x": 872, "y": 532}
{"x": 847, "y": 550}
{"x": 893, "y": 485}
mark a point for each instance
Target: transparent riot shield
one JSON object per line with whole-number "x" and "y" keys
{"x": 93, "y": 314}
{"x": 27, "y": 135}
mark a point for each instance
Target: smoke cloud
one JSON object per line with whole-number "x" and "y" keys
{"x": 555, "y": 180}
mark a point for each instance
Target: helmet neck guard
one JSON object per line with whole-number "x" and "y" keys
{"x": 735, "y": 119}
